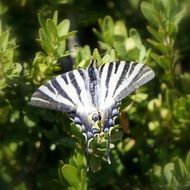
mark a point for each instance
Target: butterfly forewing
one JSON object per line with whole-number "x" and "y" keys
{"x": 61, "y": 93}
{"x": 121, "y": 78}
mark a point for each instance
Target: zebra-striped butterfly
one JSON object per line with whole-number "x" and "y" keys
{"x": 92, "y": 96}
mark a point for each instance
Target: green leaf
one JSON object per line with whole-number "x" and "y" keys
{"x": 160, "y": 46}
{"x": 83, "y": 180}
{"x": 168, "y": 172}
{"x": 188, "y": 162}
{"x": 185, "y": 81}
{"x": 83, "y": 56}
{"x": 106, "y": 58}
{"x": 150, "y": 13}
{"x": 95, "y": 163}
{"x": 116, "y": 135}
{"x": 3, "y": 84}
{"x": 63, "y": 27}
{"x": 108, "y": 37}
{"x": 71, "y": 174}
{"x": 7, "y": 59}
{"x": 120, "y": 49}
{"x": 4, "y": 111}
{"x": 60, "y": 50}
{"x": 52, "y": 31}
{"x": 156, "y": 34}
{"x": 128, "y": 144}
{"x": 143, "y": 54}
{"x": 172, "y": 30}
{"x": 67, "y": 35}
{"x": 104, "y": 45}
{"x": 47, "y": 47}
{"x": 162, "y": 61}
{"x": 42, "y": 22}
{"x": 133, "y": 33}
{"x": 139, "y": 97}
{"x": 180, "y": 171}
{"x": 4, "y": 40}
{"x": 107, "y": 25}
{"x": 120, "y": 29}
{"x": 97, "y": 56}
{"x": 16, "y": 71}
{"x": 55, "y": 17}
{"x": 180, "y": 15}
{"x": 81, "y": 161}
{"x": 72, "y": 188}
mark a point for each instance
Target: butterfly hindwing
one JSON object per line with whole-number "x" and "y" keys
{"x": 60, "y": 93}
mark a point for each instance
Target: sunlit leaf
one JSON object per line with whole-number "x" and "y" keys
{"x": 63, "y": 27}
{"x": 150, "y": 13}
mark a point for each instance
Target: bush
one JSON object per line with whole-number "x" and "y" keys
{"x": 42, "y": 149}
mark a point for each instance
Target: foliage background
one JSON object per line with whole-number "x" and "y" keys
{"x": 42, "y": 149}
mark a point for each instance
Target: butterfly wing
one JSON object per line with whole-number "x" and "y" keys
{"x": 118, "y": 80}
{"x": 69, "y": 93}
{"x": 61, "y": 93}
{"x": 133, "y": 76}
{"x": 121, "y": 78}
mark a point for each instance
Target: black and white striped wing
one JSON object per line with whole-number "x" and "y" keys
{"x": 120, "y": 78}
{"x": 61, "y": 93}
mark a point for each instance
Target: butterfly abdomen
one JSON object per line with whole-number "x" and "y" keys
{"x": 93, "y": 83}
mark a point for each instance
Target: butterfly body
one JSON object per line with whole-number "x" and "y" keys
{"x": 92, "y": 96}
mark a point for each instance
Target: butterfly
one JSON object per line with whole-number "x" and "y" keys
{"x": 92, "y": 96}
